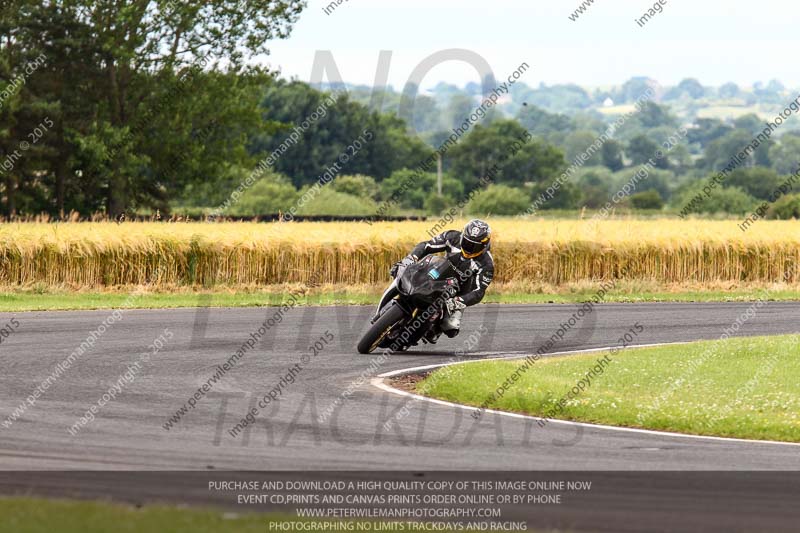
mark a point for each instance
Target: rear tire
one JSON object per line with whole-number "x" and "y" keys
{"x": 377, "y": 331}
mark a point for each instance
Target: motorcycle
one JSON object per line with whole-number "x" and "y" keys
{"x": 412, "y": 305}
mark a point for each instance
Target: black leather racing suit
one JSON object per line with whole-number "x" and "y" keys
{"x": 481, "y": 267}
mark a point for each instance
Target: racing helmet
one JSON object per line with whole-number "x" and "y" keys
{"x": 475, "y": 238}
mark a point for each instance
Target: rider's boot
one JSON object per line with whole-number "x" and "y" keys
{"x": 452, "y": 323}
{"x": 432, "y": 335}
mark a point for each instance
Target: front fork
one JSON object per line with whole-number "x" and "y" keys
{"x": 387, "y": 297}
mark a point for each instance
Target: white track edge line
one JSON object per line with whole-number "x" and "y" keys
{"x": 380, "y": 383}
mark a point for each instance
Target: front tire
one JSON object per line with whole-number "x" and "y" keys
{"x": 378, "y": 331}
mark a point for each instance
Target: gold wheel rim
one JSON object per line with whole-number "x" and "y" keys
{"x": 380, "y": 338}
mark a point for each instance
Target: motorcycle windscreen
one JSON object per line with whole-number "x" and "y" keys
{"x": 423, "y": 278}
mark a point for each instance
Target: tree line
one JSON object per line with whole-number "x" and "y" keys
{"x": 131, "y": 88}
{"x": 154, "y": 105}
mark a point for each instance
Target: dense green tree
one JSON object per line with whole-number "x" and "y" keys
{"x": 758, "y": 182}
{"x": 731, "y": 200}
{"x": 558, "y": 98}
{"x": 505, "y": 143}
{"x": 413, "y": 188}
{"x": 458, "y": 110}
{"x": 270, "y": 195}
{"x": 577, "y": 143}
{"x": 148, "y": 104}
{"x": 538, "y": 122}
{"x": 653, "y": 115}
{"x": 751, "y": 123}
{"x": 332, "y": 202}
{"x": 612, "y": 153}
{"x": 641, "y": 149}
{"x": 662, "y": 181}
{"x": 590, "y": 121}
{"x": 720, "y": 152}
{"x": 385, "y": 145}
{"x": 392, "y": 147}
{"x": 688, "y": 87}
{"x": 595, "y": 186}
{"x": 650, "y": 117}
{"x": 498, "y": 200}
{"x": 785, "y": 208}
{"x": 22, "y": 108}
{"x": 339, "y": 124}
{"x": 357, "y": 185}
{"x": 130, "y": 85}
{"x": 633, "y": 89}
{"x": 785, "y": 155}
{"x": 646, "y": 200}
{"x": 566, "y": 196}
{"x": 706, "y": 130}
{"x": 423, "y": 115}
{"x": 163, "y": 37}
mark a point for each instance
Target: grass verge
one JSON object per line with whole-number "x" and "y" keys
{"x": 743, "y": 387}
{"x": 40, "y": 298}
{"x": 36, "y": 515}
{"x": 33, "y": 515}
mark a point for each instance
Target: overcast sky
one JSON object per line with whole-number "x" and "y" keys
{"x": 714, "y": 41}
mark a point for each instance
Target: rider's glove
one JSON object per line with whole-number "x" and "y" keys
{"x": 402, "y": 264}
{"x": 455, "y": 304}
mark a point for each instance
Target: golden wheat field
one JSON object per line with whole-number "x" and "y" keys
{"x": 554, "y": 252}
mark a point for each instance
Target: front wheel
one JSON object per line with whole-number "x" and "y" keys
{"x": 378, "y": 331}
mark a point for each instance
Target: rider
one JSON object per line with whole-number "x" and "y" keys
{"x": 469, "y": 253}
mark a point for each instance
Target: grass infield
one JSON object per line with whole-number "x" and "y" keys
{"x": 34, "y": 515}
{"x": 742, "y": 387}
{"x": 44, "y": 299}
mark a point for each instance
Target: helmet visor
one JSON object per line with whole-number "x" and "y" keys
{"x": 471, "y": 247}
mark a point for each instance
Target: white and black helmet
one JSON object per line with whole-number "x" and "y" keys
{"x": 475, "y": 238}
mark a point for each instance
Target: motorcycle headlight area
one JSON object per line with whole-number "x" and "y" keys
{"x": 399, "y": 285}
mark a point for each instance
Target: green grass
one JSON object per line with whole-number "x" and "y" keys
{"x": 742, "y": 387}
{"x": 33, "y": 515}
{"x": 27, "y": 515}
{"x": 43, "y": 300}
{"x": 24, "y": 301}
{"x": 585, "y": 295}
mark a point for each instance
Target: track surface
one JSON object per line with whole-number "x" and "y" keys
{"x": 128, "y": 433}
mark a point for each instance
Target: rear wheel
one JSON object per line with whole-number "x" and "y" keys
{"x": 378, "y": 331}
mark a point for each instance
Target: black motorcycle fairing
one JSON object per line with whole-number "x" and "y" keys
{"x": 427, "y": 279}
{"x": 413, "y": 304}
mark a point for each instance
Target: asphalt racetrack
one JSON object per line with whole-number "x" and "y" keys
{"x": 129, "y": 433}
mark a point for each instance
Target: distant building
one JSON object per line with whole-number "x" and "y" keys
{"x": 608, "y": 102}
